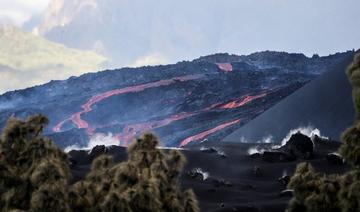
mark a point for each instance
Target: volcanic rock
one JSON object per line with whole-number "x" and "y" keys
{"x": 277, "y": 156}
{"x": 222, "y": 154}
{"x": 284, "y": 179}
{"x": 72, "y": 162}
{"x": 209, "y": 150}
{"x": 256, "y": 155}
{"x": 221, "y": 182}
{"x": 256, "y": 170}
{"x": 97, "y": 151}
{"x": 335, "y": 158}
{"x": 299, "y": 146}
{"x": 287, "y": 193}
{"x": 198, "y": 174}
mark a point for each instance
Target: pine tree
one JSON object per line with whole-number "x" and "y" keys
{"x": 147, "y": 181}
{"x": 34, "y": 176}
{"x": 34, "y": 172}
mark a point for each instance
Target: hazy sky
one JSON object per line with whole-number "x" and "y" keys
{"x": 307, "y": 26}
{"x": 19, "y": 11}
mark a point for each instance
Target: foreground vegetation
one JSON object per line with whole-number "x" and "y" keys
{"x": 34, "y": 176}
{"x": 332, "y": 193}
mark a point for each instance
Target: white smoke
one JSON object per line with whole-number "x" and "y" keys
{"x": 10, "y": 104}
{"x": 285, "y": 173}
{"x": 95, "y": 140}
{"x": 205, "y": 175}
{"x": 169, "y": 148}
{"x": 151, "y": 59}
{"x": 221, "y": 153}
{"x": 266, "y": 140}
{"x": 213, "y": 149}
{"x": 106, "y": 140}
{"x": 204, "y": 148}
{"x": 309, "y": 131}
{"x": 205, "y": 140}
{"x": 243, "y": 140}
{"x": 256, "y": 149}
{"x": 72, "y": 147}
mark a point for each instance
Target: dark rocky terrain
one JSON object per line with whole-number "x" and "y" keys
{"x": 226, "y": 177}
{"x": 325, "y": 104}
{"x": 187, "y": 102}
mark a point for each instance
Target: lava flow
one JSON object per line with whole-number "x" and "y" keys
{"x": 130, "y": 131}
{"x": 206, "y": 133}
{"x": 82, "y": 124}
{"x": 227, "y": 67}
{"x": 242, "y": 102}
{"x": 57, "y": 127}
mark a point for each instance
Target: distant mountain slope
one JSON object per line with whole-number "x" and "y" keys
{"x": 183, "y": 103}
{"x": 28, "y": 60}
{"x": 325, "y": 103}
{"x": 140, "y": 31}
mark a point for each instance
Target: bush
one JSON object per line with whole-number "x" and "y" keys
{"x": 148, "y": 181}
{"x": 312, "y": 191}
{"x": 349, "y": 194}
{"x": 34, "y": 176}
{"x": 34, "y": 172}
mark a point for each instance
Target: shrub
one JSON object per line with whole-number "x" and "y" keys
{"x": 148, "y": 181}
{"x": 312, "y": 191}
{"x": 34, "y": 172}
{"x": 34, "y": 176}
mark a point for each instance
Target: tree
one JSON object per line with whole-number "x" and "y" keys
{"x": 34, "y": 172}
{"x": 148, "y": 181}
{"x": 34, "y": 176}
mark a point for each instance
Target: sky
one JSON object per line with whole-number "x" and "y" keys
{"x": 307, "y": 26}
{"x": 19, "y": 11}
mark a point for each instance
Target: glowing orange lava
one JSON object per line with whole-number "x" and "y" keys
{"x": 131, "y": 130}
{"x": 57, "y": 127}
{"x": 242, "y": 102}
{"x": 81, "y": 124}
{"x": 227, "y": 67}
{"x": 204, "y": 134}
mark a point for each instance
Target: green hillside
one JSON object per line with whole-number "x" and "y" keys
{"x": 27, "y": 60}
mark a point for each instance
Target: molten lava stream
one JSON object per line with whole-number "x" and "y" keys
{"x": 81, "y": 124}
{"x": 206, "y": 133}
{"x": 227, "y": 67}
{"x": 242, "y": 102}
{"x": 57, "y": 128}
{"x": 130, "y": 131}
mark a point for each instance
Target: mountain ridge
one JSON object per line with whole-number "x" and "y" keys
{"x": 324, "y": 104}
{"x": 183, "y": 103}
{"x": 207, "y": 58}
